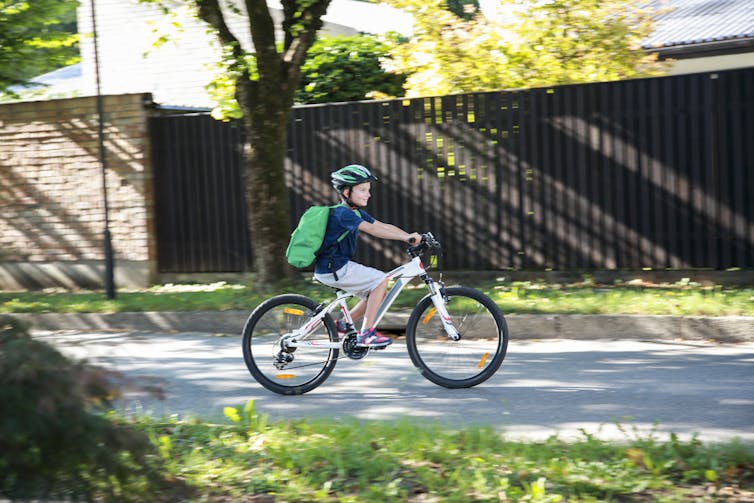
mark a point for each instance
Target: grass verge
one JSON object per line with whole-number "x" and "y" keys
{"x": 252, "y": 459}
{"x": 678, "y": 299}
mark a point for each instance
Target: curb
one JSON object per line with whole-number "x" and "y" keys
{"x": 728, "y": 329}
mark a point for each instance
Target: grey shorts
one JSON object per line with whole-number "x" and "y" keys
{"x": 353, "y": 278}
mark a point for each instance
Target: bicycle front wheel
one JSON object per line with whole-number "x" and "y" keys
{"x": 472, "y": 359}
{"x": 277, "y": 366}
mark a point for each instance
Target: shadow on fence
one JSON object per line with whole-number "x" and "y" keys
{"x": 650, "y": 173}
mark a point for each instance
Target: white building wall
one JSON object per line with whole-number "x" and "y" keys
{"x": 177, "y": 71}
{"x": 712, "y": 63}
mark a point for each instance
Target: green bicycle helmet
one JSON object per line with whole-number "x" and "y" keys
{"x": 351, "y": 175}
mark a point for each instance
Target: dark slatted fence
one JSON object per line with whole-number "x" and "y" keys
{"x": 200, "y": 210}
{"x": 655, "y": 173}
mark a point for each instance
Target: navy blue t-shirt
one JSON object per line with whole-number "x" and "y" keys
{"x": 342, "y": 219}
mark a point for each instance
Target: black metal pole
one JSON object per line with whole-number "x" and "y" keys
{"x": 108, "y": 245}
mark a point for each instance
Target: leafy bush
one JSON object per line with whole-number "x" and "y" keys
{"x": 346, "y": 69}
{"x": 53, "y": 443}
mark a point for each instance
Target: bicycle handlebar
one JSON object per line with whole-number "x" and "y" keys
{"x": 428, "y": 241}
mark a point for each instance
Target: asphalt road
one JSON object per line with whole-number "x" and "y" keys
{"x": 608, "y": 388}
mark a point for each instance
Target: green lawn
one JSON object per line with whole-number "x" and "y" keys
{"x": 683, "y": 298}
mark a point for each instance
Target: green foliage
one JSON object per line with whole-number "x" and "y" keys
{"x": 222, "y": 88}
{"x": 525, "y": 45}
{"x": 344, "y": 68}
{"x": 347, "y": 69}
{"x": 36, "y": 36}
{"x": 52, "y": 442}
{"x": 465, "y": 9}
{"x": 405, "y": 460}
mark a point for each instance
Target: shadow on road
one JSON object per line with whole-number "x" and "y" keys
{"x": 608, "y": 388}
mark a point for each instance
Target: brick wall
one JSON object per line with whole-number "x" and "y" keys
{"x": 51, "y": 194}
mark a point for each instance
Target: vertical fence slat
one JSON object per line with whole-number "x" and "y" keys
{"x": 549, "y": 224}
{"x": 682, "y": 166}
{"x": 559, "y": 226}
{"x": 748, "y": 165}
{"x": 734, "y": 112}
{"x": 668, "y": 163}
{"x": 602, "y": 119}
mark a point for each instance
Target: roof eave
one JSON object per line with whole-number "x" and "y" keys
{"x": 705, "y": 49}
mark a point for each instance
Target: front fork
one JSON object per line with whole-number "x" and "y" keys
{"x": 440, "y": 300}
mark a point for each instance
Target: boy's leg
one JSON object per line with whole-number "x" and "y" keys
{"x": 373, "y": 304}
{"x": 368, "y": 335}
{"x": 359, "y": 279}
{"x": 358, "y": 310}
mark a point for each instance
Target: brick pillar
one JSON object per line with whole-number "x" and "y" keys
{"x": 51, "y": 200}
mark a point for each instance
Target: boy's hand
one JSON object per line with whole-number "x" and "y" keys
{"x": 414, "y": 238}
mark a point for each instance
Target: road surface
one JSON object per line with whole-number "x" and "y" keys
{"x": 609, "y": 388}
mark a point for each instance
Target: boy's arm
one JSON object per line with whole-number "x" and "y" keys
{"x": 388, "y": 231}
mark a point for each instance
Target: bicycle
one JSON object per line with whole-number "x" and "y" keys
{"x": 456, "y": 336}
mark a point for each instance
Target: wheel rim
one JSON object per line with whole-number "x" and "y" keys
{"x": 467, "y": 358}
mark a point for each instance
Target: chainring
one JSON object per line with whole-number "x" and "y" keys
{"x": 351, "y": 350}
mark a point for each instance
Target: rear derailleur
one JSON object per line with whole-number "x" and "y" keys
{"x": 285, "y": 355}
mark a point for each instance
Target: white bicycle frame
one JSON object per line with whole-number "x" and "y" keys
{"x": 402, "y": 275}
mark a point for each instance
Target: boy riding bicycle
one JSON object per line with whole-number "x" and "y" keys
{"x": 334, "y": 266}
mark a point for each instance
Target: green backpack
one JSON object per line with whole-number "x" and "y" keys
{"x": 307, "y": 237}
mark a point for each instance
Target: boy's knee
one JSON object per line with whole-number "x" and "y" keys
{"x": 381, "y": 287}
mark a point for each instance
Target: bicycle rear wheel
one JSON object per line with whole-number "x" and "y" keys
{"x": 277, "y": 367}
{"x": 472, "y": 359}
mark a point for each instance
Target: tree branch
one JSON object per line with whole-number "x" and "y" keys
{"x": 210, "y": 13}
{"x": 289, "y": 11}
{"x": 263, "y": 36}
{"x": 297, "y": 47}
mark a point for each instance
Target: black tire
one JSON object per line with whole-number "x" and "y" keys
{"x": 310, "y": 366}
{"x": 469, "y": 361}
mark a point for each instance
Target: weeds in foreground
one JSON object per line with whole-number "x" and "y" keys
{"x": 318, "y": 460}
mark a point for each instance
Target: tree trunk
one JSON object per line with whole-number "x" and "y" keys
{"x": 266, "y": 103}
{"x": 265, "y": 126}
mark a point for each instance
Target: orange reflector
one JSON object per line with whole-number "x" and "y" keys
{"x": 429, "y": 315}
{"x": 285, "y": 376}
{"x": 481, "y": 363}
{"x": 290, "y": 310}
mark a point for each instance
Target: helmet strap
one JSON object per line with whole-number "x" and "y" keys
{"x": 347, "y": 198}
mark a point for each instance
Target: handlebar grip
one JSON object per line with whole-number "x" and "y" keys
{"x": 426, "y": 238}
